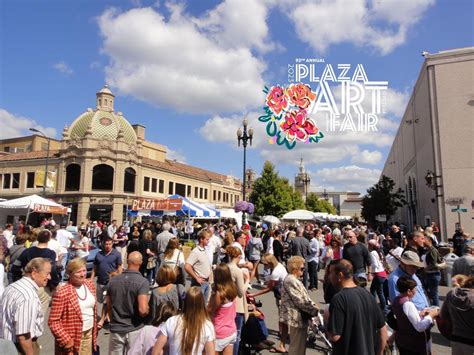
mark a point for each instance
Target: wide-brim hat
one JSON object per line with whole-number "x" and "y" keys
{"x": 411, "y": 258}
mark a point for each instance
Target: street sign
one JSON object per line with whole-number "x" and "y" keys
{"x": 453, "y": 201}
{"x": 459, "y": 210}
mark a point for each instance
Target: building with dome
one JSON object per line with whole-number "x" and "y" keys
{"x": 101, "y": 164}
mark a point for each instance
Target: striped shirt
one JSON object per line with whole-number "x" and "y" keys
{"x": 21, "y": 311}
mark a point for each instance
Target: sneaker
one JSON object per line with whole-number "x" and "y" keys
{"x": 261, "y": 283}
{"x": 249, "y": 287}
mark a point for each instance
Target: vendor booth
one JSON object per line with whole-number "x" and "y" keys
{"x": 29, "y": 206}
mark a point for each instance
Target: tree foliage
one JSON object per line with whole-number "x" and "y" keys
{"x": 315, "y": 204}
{"x": 273, "y": 195}
{"x": 382, "y": 200}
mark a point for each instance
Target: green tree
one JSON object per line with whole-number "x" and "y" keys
{"x": 272, "y": 194}
{"x": 315, "y": 204}
{"x": 382, "y": 200}
{"x": 298, "y": 202}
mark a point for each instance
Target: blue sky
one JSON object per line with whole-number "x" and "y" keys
{"x": 190, "y": 71}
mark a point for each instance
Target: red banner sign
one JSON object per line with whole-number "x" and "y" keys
{"x": 38, "y": 207}
{"x": 167, "y": 204}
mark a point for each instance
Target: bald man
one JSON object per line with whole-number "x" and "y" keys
{"x": 124, "y": 293}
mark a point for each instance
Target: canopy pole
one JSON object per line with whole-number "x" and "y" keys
{"x": 27, "y": 216}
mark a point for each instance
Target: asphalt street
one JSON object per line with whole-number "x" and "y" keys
{"x": 440, "y": 344}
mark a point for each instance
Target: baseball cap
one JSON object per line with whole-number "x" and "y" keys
{"x": 411, "y": 258}
{"x": 246, "y": 226}
{"x": 264, "y": 226}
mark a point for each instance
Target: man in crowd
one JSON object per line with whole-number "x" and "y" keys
{"x": 64, "y": 238}
{"x": 112, "y": 228}
{"x": 394, "y": 253}
{"x": 21, "y": 316}
{"x": 358, "y": 254}
{"x": 465, "y": 264}
{"x": 300, "y": 247}
{"x": 107, "y": 261}
{"x": 396, "y": 233}
{"x": 416, "y": 243}
{"x": 8, "y": 234}
{"x": 162, "y": 241}
{"x": 409, "y": 264}
{"x": 198, "y": 265}
{"x": 356, "y": 324}
{"x": 127, "y": 305}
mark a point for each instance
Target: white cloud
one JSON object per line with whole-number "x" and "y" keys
{"x": 378, "y": 24}
{"x": 63, "y": 68}
{"x": 95, "y": 65}
{"x": 175, "y": 155}
{"x": 350, "y": 178}
{"x": 16, "y": 126}
{"x": 176, "y": 63}
{"x": 366, "y": 157}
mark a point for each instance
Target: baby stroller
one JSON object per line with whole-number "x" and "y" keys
{"x": 316, "y": 331}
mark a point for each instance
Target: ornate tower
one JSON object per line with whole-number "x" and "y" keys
{"x": 302, "y": 181}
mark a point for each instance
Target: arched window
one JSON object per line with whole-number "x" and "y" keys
{"x": 103, "y": 177}
{"x": 73, "y": 177}
{"x": 129, "y": 180}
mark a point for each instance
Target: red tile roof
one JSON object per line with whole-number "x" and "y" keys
{"x": 28, "y": 155}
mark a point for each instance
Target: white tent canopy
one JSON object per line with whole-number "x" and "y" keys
{"x": 304, "y": 215}
{"x": 28, "y": 202}
{"x": 271, "y": 219}
{"x": 230, "y": 213}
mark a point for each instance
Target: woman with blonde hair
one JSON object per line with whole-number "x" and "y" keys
{"x": 147, "y": 248}
{"x": 173, "y": 256}
{"x": 73, "y": 333}
{"x": 297, "y": 308}
{"x": 190, "y": 332}
{"x": 222, "y": 309}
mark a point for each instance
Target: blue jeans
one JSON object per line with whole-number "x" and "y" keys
{"x": 64, "y": 262}
{"x": 205, "y": 288}
{"x": 432, "y": 280}
{"x": 377, "y": 288}
{"x": 239, "y": 322}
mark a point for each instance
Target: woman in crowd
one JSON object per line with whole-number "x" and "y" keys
{"x": 255, "y": 248}
{"x": 148, "y": 335}
{"x": 120, "y": 239}
{"x": 189, "y": 333}
{"x": 277, "y": 246}
{"x": 413, "y": 333}
{"x": 81, "y": 244}
{"x": 333, "y": 251}
{"x": 147, "y": 248}
{"x": 228, "y": 240}
{"x": 297, "y": 308}
{"x": 458, "y": 311}
{"x": 174, "y": 257}
{"x": 434, "y": 263}
{"x": 167, "y": 290}
{"x": 75, "y": 334}
{"x": 15, "y": 251}
{"x": 379, "y": 282}
{"x": 234, "y": 255}
{"x": 222, "y": 309}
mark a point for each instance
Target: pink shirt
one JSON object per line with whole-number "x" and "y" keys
{"x": 224, "y": 320}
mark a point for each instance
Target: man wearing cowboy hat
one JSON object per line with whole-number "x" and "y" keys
{"x": 409, "y": 264}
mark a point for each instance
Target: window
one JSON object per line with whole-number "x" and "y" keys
{"x": 129, "y": 180}
{"x": 146, "y": 183}
{"x": 103, "y": 177}
{"x": 231, "y": 198}
{"x": 180, "y": 189}
{"x": 219, "y": 195}
{"x": 214, "y": 195}
{"x": 6, "y": 181}
{"x": 188, "y": 194}
{"x": 161, "y": 186}
{"x": 154, "y": 184}
{"x": 236, "y": 198}
{"x": 201, "y": 193}
{"x": 6, "y": 149}
{"x": 30, "y": 180}
{"x": 73, "y": 177}
{"x": 16, "y": 181}
{"x": 205, "y": 194}
{"x": 196, "y": 192}
{"x": 170, "y": 188}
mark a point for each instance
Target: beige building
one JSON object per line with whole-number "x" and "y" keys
{"x": 346, "y": 203}
{"x": 102, "y": 163}
{"x": 432, "y": 156}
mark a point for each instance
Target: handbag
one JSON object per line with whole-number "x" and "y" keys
{"x": 151, "y": 263}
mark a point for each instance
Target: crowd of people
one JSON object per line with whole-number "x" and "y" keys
{"x": 154, "y": 296}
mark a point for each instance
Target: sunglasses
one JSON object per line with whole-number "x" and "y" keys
{"x": 302, "y": 269}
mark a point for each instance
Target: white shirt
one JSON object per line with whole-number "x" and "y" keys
{"x": 64, "y": 238}
{"x": 242, "y": 254}
{"x": 8, "y": 234}
{"x": 176, "y": 257}
{"x": 278, "y": 275}
{"x": 53, "y": 245}
{"x": 215, "y": 243}
{"x": 270, "y": 245}
{"x": 173, "y": 330}
{"x": 20, "y": 310}
{"x": 81, "y": 253}
{"x": 376, "y": 263}
{"x": 86, "y": 302}
{"x": 420, "y": 324}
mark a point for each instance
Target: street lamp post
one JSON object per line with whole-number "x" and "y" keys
{"x": 246, "y": 138}
{"x": 47, "y": 158}
{"x": 325, "y": 195}
{"x": 306, "y": 180}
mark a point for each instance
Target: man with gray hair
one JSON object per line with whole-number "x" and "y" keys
{"x": 300, "y": 247}
{"x": 21, "y": 316}
{"x": 162, "y": 240}
{"x": 465, "y": 264}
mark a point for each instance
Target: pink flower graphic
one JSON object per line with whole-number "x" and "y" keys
{"x": 297, "y": 126}
{"x": 301, "y": 95}
{"x": 276, "y": 100}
